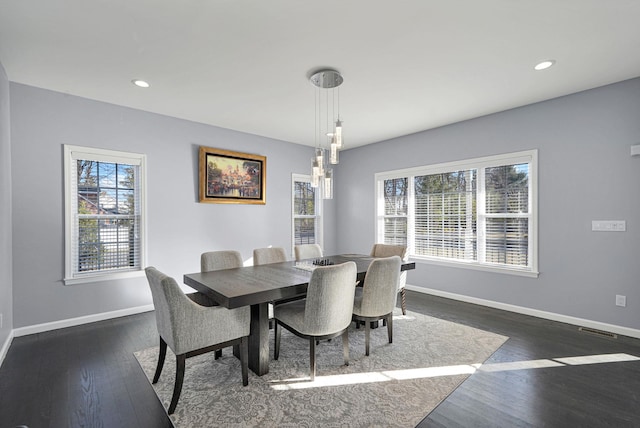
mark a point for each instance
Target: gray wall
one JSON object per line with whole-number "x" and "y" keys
{"x": 179, "y": 228}
{"x": 585, "y": 173}
{"x": 6, "y": 298}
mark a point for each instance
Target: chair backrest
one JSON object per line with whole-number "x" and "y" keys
{"x": 263, "y": 256}
{"x": 307, "y": 251}
{"x": 216, "y": 260}
{"x": 380, "y": 287}
{"x": 186, "y": 326}
{"x": 329, "y": 303}
{"x": 167, "y": 296}
{"x": 386, "y": 250}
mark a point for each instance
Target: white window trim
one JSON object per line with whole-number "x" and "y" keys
{"x": 528, "y": 156}
{"x": 71, "y": 154}
{"x": 319, "y": 224}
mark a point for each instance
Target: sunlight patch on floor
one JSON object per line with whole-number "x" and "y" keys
{"x": 371, "y": 377}
{"x": 519, "y": 365}
{"x": 597, "y": 359}
{"x": 558, "y": 362}
{"x": 430, "y": 372}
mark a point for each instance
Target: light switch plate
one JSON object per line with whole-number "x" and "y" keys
{"x": 609, "y": 226}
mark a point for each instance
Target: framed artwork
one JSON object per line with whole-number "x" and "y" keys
{"x": 228, "y": 177}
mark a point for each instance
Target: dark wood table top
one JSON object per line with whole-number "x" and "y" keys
{"x": 252, "y": 285}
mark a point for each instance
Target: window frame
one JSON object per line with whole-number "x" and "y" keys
{"x": 318, "y": 216}
{"x": 73, "y": 153}
{"x": 528, "y": 156}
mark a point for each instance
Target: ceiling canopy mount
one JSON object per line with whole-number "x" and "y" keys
{"x": 326, "y": 79}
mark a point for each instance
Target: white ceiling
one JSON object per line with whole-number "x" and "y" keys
{"x": 408, "y": 65}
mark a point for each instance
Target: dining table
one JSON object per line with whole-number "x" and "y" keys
{"x": 258, "y": 286}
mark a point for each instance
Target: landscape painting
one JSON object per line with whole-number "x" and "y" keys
{"x": 232, "y": 177}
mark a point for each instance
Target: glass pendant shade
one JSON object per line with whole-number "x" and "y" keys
{"x": 328, "y": 184}
{"x": 320, "y": 159}
{"x": 338, "y": 134}
{"x": 315, "y": 173}
{"x": 333, "y": 153}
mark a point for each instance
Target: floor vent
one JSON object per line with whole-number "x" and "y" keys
{"x": 598, "y": 332}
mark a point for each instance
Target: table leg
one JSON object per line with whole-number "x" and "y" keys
{"x": 259, "y": 339}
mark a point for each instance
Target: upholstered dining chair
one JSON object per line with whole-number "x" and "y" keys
{"x": 189, "y": 329}
{"x": 386, "y": 250}
{"x": 307, "y": 251}
{"x": 325, "y": 313}
{"x": 264, "y": 256}
{"x": 217, "y": 260}
{"x": 377, "y": 297}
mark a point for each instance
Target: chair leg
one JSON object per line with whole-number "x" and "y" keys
{"x": 367, "y": 332}
{"x": 404, "y": 302}
{"x": 345, "y": 346}
{"x": 390, "y": 327}
{"x": 217, "y": 354}
{"x": 177, "y": 388}
{"x": 244, "y": 359}
{"x": 312, "y": 358}
{"x": 163, "y": 354}
{"x": 276, "y": 333}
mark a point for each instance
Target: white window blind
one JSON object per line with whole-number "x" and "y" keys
{"x": 395, "y": 211}
{"x": 478, "y": 212}
{"x": 104, "y": 214}
{"x": 507, "y": 215}
{"x": 445, "y": 220}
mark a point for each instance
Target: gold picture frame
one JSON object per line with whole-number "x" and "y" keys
{"x": 228, "y": 177}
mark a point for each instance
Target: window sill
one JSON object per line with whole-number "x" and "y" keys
{"x": 110, "y": 276}
{"x": 476, "y": 266}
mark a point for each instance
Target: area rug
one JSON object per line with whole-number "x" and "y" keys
{"x": 396, "y": 386}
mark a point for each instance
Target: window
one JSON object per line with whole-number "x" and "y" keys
{"x": 104, "y": 214}
{"x": 477, "y": 213}
{"x": 306, "y": 218}
{"x": 395, "y": 211}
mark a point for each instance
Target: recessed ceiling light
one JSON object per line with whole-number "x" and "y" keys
{"x": 544, "y": 64}
{"x": 140, "y": 83}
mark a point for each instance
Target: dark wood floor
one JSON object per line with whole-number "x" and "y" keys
{"x": 593, "y": 395}
{"x": 83, "y": 376}
{"x": 87, "y": 376}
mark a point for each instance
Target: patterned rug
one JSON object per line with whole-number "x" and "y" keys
{"x": 396, "y": 386}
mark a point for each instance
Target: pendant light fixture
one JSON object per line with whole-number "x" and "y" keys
{"x": 328, "y": 130}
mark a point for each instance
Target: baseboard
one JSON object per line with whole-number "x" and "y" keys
{"x": 71, "y": 322}
{"x": 5, "y": 347}
{"x": 624, "y": 331}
